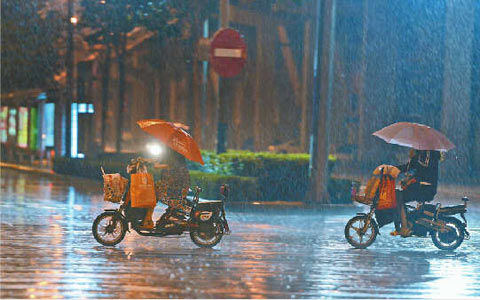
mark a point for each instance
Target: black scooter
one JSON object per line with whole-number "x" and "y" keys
{"x": 446, "y": 231}
{"x": 206, "y": 222}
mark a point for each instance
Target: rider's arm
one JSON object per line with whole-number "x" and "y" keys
{"x": 160, "y": 166}
{"x": 410, "y": 165}
{"x": 404, "y": 168}
{"x": 155, "y": 163}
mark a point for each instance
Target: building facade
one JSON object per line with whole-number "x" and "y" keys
{"x": 392, "y": 62}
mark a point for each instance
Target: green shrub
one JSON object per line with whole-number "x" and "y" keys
{"x": 279, "y": 176}
{"x": 89, "y": 168}
{"x": 339, "y": 190}
{"x": 252, "y": 176}
{"x": 242, "y": 189}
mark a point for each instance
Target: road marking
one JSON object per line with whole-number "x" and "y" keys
{"x": 223, "y": 52}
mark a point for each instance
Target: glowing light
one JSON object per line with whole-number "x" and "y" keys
{"x": 73, "y": 20}
{"x": 74, "y": 132}
{"x": 154, "y": 149}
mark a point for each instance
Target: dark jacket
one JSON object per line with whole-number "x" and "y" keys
{"x": 176, "y": 177}
{"x": 424, "y": 166}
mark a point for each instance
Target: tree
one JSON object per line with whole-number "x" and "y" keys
{"x": 30, "y": 53}
{"x": 110, "y": 21}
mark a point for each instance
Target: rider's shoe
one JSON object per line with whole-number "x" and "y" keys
{"x": 405, "y": 232}
{"x": 146, "y": 225}
{"x": 394, "y": 233}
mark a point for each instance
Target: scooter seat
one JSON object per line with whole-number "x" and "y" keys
{"x": 208, "y": 201}
{"x": 201, "y": 200}
{"x": 452, "y": 210}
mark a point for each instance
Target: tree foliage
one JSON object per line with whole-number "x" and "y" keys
{"x": 110, "y": 20}
{"x": 30, "y": 54}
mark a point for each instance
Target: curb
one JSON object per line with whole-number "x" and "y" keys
{"x": 27, "y": 168}
{"x": 257, "y": 204}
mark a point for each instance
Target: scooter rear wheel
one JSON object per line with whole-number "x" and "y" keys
{"x": 207, "y": 235}
{"x": 451, "y": 239}
{"x": 108, "y": 230}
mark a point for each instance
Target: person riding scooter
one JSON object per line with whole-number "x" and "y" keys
{"x": 421, "y": 185}
{"x": 171, "y": 189}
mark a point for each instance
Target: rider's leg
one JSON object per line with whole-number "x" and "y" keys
{"x": 147, "y": 221}
{"x": 404, "y": 231}
{"x": 397, "y": 220}
{"x": 401, "y": 200}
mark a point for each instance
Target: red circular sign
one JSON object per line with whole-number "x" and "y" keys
{"x": 228, "y": 52}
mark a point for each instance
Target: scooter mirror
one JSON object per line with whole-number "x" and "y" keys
{"x": 224, "y": 190}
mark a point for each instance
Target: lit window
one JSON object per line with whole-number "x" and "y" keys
{"x": 74, "y": 135}
{"x": 3, "y": 124}
{"x": 82, "y": 108}
{"x": 22, "y": 137}
{"x": 49, "y": 119}
{"x": 12, "y": 122}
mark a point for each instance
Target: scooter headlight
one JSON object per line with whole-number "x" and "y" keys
{"x": 155, "y": 149}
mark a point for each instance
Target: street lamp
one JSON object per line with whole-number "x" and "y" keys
{"x": 69, "y": 63}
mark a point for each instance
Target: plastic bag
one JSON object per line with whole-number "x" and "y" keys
{"x": 387, "y": 198}
{"x": 372, "y": 186}
{"x": 142, "y": 190}
{"x": 387, "y": 170}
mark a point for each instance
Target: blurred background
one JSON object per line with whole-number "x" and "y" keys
{"x": 78, "y": 74}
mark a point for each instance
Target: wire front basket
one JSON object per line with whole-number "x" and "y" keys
{"x": 114, "y": 186}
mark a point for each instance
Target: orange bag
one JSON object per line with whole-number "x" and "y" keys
{"x": 142, "y": 190}
{"x": 387, "y": 199}
{"x": 372, "y": 186}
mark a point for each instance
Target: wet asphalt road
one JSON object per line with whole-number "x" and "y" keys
{"x": 47, "y": 251}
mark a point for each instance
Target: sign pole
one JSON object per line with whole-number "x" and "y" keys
{"x": 222, "y": 110}
{"x": 69, "y": 86}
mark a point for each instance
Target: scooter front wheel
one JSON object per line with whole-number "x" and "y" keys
{"x": 359, "y": 234}
{"x": 108, "y": 229}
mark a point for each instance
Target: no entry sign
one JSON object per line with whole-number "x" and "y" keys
{"x": 228, "y": 52}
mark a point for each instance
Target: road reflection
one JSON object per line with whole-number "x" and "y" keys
{"x": 47, "y": 251}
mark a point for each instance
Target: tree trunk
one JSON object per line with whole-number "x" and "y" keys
{"x": 121, "y": 51}
{"x": 197, "y": 30}
{"x": 322, "y": 103}
{"x": 105, "y": 88}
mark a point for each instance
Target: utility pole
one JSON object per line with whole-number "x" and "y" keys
{"x": 222, "y": 110}
{"x": 69, "y": 59}
{"x": 322, "y": 98}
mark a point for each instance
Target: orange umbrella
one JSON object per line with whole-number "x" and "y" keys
{"x": 174, "y": 136}
{"x": 414, "y": 135}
